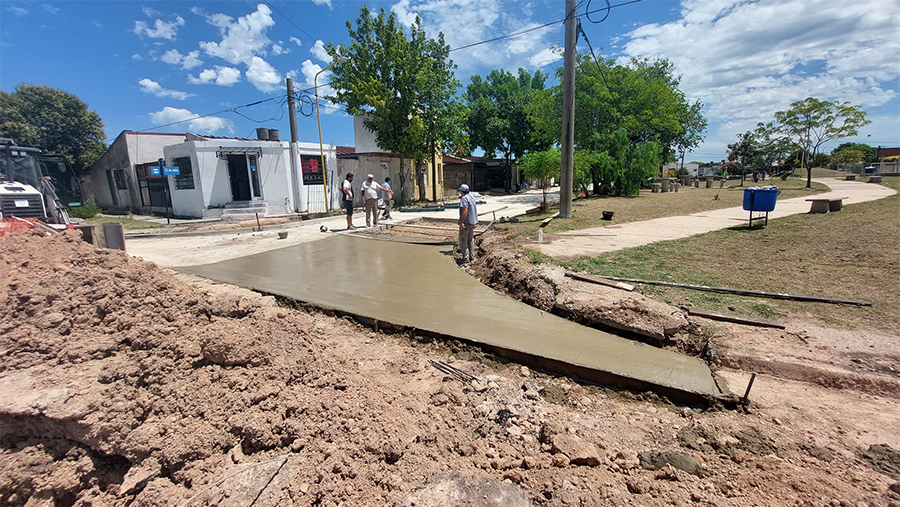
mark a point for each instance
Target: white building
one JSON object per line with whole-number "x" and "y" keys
{"x": 233, "y": 178}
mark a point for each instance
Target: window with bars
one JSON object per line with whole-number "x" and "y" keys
{"x": 185, "y": 179}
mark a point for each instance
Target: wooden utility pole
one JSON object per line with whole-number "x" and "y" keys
{"x": 566, "y": 167}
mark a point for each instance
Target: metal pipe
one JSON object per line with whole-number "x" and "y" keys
{"x": 747, "y": 392}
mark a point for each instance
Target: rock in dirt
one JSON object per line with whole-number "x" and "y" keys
{"x": 457, "y": 489}
{"x": 656, "y": 460}
{"x": 883, "y": 458}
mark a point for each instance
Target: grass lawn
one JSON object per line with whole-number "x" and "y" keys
{"x": 647, "y": 206}
{"x": 127, "y": 223}
{"x": 851, "y": 254}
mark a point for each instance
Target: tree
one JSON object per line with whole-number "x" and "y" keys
{"x": 54, "y": 121}
{"x": 743, "y": 154}
{"x": 810, "y": 123}
{"x": 498, "y": 121}
{"x": 404, "y": 85}
{"x": 618, "y": 109}
{"x": 870, "y": 153}
{"x": 848, "y": 157}
{"x": 541, "y": 166}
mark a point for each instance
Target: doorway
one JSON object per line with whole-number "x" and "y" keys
{"x": 239, "y": 178}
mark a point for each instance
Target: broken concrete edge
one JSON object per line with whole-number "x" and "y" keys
{"x": 575, "y": 371}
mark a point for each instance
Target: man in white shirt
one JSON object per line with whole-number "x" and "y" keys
{"x": 370, "y": 196}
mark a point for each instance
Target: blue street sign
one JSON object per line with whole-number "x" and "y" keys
{"x": 169, "y": 171}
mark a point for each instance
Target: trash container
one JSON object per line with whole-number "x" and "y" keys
{"x": 115, "y": 236}
{"x": 760, "y": 199}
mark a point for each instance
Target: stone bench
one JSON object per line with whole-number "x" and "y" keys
{"x": 874, "y": 179}
{"x": 850, "y": 177}
{"x": 656, "y": 187}
{"x": 826, "y": 204}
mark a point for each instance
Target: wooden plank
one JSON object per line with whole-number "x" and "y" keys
{"x": 600, "y": 280}
{"x": 750, "y": 321}
{"x": 742, "y": 292}
{"x": 547, "y": 220}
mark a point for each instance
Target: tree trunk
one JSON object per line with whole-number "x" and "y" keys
{"x": 402, "y": 175}
{"x": 433, "y": 175}
{"x": 420, "y": 179}
{"x": 808, "y": 171}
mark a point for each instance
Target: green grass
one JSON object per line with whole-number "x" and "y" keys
{"x": 127, "y": 223}
{"x": 851, "y": 254}
{"x": 588, "y": 213}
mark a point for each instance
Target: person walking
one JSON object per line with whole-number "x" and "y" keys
{"x": 370, "y": 196}
{"x": 468, "y": 218}
{"x": 388, "y": 199}
{"x": 347, "y": 199}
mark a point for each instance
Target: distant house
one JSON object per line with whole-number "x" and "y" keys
{"x": 458, "y": 171}
{"x": 369, "y": 158}
{"x": 120, "y": 180}
{"x": 691, "y": 168}
{"x": 218, "y": 176}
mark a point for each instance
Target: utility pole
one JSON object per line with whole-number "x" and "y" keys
{"x": 300, "y": 204}
{"x": 566, "y": 167}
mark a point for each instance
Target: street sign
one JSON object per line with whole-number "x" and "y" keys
{"x": 169, "y": 171}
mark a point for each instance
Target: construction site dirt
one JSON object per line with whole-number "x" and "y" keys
{"x": 123, "y": 384}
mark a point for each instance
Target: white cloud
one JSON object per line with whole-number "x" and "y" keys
{"x": 244, "y": 41}
{"x": 154, "y": 88}
{"x": 206, "y": 125}
{"x": 149, "y": 11}
{"x": 137, "y": 57}
{"x": 318, "y": 50}
{"x": 188, "y": 61}
{"x": 263, "y": 76}
{"x": 323, "y": 2}
{"x": 222, "y": 76}
{"x": 49, "y": 9}
{"x": 161, "y": 30}
{"x": 241, "y": 39}
{"x": 464, "y": 22}
{"x": 296, "y": 41}
{"x": 279, "y": 49}
{"x": 17, "y": 11}
{"x": 746, "y": 61}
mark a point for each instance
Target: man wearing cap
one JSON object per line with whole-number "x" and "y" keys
{"x": 468, "y": 218}
{"x": 370, "y": 196}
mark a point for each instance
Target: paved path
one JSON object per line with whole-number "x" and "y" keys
{"x": 634, "y": 234}
{"x": 420, "y": 287}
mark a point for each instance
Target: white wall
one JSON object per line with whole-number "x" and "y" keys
{"x": 363, "y": 138}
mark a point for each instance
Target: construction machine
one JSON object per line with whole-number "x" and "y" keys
{"x": 36, "y": 186}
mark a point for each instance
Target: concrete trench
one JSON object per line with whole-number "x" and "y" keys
{"x": 420, "y": 287}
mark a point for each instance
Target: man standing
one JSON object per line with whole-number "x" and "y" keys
{"x": 347, "y": 199}
{"x": 468, "y": 218}
{"x": 388, "y": 199}
{"x": 370, "y": 196}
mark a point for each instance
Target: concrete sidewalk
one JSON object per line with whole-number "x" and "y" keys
{"x": 663, "y": 229}
{"x": 170, "y": 249}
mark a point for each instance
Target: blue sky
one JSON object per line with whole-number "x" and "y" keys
{"x": 144, "y": 64}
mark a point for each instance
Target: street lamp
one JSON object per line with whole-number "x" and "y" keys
{"x": 342, "y": 59}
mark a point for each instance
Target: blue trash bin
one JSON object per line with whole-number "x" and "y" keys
{"x": 760, "y": 199}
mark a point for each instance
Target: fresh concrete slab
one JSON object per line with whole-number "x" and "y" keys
{"x": 420, "y": 287}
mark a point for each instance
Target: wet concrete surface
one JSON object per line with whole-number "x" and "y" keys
{"x": 420, "y": 287}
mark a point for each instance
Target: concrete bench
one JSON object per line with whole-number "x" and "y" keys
{"x": 850, "y": 177}
{"x": 656, "y": 187}
{"x": 874, "y": 179}
{"x": 826, "y": 204}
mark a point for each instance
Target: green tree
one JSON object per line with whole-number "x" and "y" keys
{"x": 54, "y": 121}
{"x": 498, "y": 121}
{"x": 618, "y": 109}
{"x": 810, "y": 123}
{"x": 870, "y": 153}
{"x": 542, "y": 166}
{"x": 848, "y": 157}
{"x": 404, "y": 85}
{"x": 744, "y": 154}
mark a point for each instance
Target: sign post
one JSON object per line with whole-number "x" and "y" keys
{"x": 162, "y": 170}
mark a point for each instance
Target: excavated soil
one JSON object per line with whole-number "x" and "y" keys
{"x": 123, "y": 385}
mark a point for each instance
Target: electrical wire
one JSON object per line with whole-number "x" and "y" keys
{"x": 291, "y": 21}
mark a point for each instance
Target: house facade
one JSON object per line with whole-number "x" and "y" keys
{"x": 233, "y": 177}
{"x": 368, "y": 158}
{"x": 120, "y": 180}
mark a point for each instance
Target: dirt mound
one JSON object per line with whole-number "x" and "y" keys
{"x": 546, "y": 287}
{"x": 123, "y": 385}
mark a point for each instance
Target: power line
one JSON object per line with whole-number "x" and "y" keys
{"x": 545, "y": 25}
{"x": 291, "y": 22}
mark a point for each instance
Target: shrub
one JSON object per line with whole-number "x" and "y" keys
{"x": 86, "y": 210}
